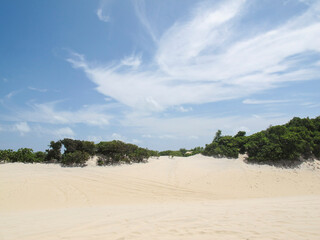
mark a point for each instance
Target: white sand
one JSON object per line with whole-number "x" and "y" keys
{"x": 181, "y": 198}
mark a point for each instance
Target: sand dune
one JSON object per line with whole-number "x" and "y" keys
{"x": 181, "y": 198}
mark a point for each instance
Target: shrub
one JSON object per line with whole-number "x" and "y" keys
{"x": 76, "y": 158}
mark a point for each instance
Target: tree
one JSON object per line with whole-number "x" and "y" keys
{"x": 70, "y": 145}
{"x": 217, "y": 136}
{"x": 54, "y": 154}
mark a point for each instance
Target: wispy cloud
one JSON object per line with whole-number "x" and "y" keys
{"x": 58, "y": 133}
{"x": 101, "y": 16}
{"x": 64, "y": 132}
{"x": 117, "y": 136}
{"x": 47, "y": 113}
{"x": 139, "y": 6}
{"x": 199, "y": 61}
{"x": 13, "y": 93}
{"x": 184, "y": 109}
{"x": 38, "y": 89}
{"x": 310, "y": 104}
{"x": 254, "y": 101}
{"x": 131, "y": 61}
{"x": 22, "y": 128}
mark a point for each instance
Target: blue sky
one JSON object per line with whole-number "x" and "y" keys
{"x": 160, "y": 74}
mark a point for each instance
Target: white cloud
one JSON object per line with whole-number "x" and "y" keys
{"x": 101, "y": 16}
{"x": 47, "y": 113}
{"x": 310, "y": 104}
{"x": 13, "y": 93}
{"x": 139, "y": 7}
{"x": 183, "y": 109}
{"x": 192, "y": 64}
{"x": 254, "y": 101}
{"x": 57, "y": 133}
{"x": 184, "y": 42}
{"x": 132, "y": 61}
{"x": 117, "y": 136}
{"x": 38, "y": 89}
{"x": 95, "y": 139}
{"x": 22, "y": 128}
{"x": 64, "y": 132}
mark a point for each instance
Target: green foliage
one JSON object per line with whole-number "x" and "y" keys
{"x": 116, "y": 152}
{"x": 78, "y": 152}
{"x": 7, "y": 155}
{"x": 72, "y": 145}
{"x": 171, "y": 153}
{"x": 183, "y": 151}
{"x": 77, "y": 158}
{"x": 298, "y": 138}
{"x": 217, "y": 136}
{"x": 25, "y": 155}
{"x": 40, "y": 156}
{"x": 54, "y": 153}
{"x": 226, "y": 146}
{"x": 88, "y": 147}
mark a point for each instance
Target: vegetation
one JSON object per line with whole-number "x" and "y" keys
{"x": 25, "y": 155}
{"x": 116, "y": 152}
{"x": 288, "y": 143}
{"x": 182, "y": 152}
{"x": 171, "y": 153}
{"x": 298, "y": 139}
{"x": 226, "y": 146}
{"x": 77, "y": 152}
{"x": 76, "y": 158}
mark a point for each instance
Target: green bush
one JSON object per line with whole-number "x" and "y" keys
{"x": 116, "y": 152}
{"x": 74, "y": 159}
{"x": 225, "y": 146}
{"x": 171, "y": 153}
{"x": 6, "y": 155}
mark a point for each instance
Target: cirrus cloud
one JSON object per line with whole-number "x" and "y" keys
{"x": 194, "y": 65}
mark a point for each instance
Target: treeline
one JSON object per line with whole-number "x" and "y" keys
{"x": 77, "y": 153}
{"x": 296, "y": 140}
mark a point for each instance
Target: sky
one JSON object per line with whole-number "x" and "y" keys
{"x": 160, "y": 74}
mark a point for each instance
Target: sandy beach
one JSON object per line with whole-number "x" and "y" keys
{"x": 181, "y": 198}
